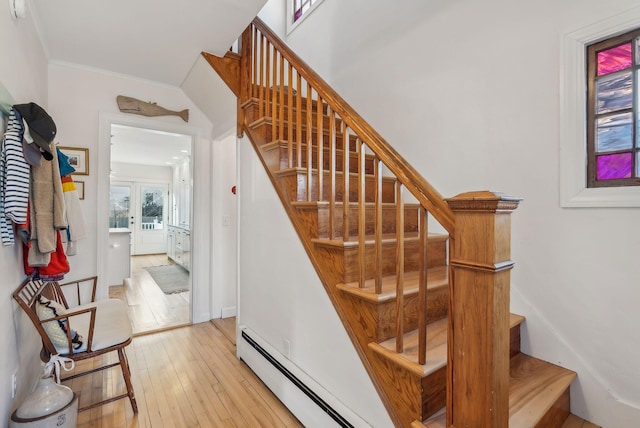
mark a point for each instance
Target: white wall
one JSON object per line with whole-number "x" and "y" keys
{"x": 224, "y": 223}
{"x": 469, "y": 92}
{"x": 23, "y": 71}
{"x": 77, "y": 98}
{"x": 122, "y": 171}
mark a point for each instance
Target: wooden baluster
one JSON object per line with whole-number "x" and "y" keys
{"x": 362, "y": 211}
{"x": 378, "y": 223}
{"x": 290, "y": 119}
{"x": 309, "y": 141}
{"x": 422, "y": 286}
{"x": 261, "y": 88}
{"x": 281, "y": 114}
{"x": 399, "y": 269}
{"x": 345, "y": 172}
{"x": 332, "y": 172}
{"x": 267, "y": 80}
{"x": 320, "y": 147}
{"x": 299, "y": 122}
{"x": 274, "y": 97}
{"x": 254, "y": 83}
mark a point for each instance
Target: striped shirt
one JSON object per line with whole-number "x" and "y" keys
{"x": 14, "y": 180}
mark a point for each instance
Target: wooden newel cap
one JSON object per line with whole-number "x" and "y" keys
{"x": 483, "y": 200}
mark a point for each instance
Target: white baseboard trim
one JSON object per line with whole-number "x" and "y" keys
{"x": 229, "y": 312}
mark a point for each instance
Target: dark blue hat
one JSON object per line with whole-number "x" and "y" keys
{"x": 41, "y": 126}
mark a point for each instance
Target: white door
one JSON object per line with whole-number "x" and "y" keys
{"x": 149, "y": 221}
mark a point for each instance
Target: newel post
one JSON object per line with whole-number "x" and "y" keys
{"x": 478, "y": 366}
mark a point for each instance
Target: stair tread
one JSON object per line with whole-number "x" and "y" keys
{"x": 436, "y": 347}
{"x": 534, "y": 386}
{"x": 436, "y": 277}
{"x": 387, "y": 238}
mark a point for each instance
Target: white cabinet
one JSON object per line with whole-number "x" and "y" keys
{"x": 119, "y": 255}
{"x": 179, "y": 245}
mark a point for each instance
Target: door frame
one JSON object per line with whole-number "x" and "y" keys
{"x": 199, "y": 270}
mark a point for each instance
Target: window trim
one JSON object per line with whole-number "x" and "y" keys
{"x": 289, "y": 15}
{"x": 574, "y": 192}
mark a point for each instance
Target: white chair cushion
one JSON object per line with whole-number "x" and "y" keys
{"x": 112, "y": 325}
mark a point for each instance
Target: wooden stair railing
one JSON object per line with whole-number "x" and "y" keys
{"x": 319, "y": 150}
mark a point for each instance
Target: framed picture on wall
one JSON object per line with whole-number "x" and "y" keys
{"x": 79, "y": 188}
{"x": 78, "y": 158}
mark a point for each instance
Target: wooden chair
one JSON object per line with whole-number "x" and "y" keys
{"x": 104, "y": 326}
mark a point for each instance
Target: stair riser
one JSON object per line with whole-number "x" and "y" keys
{"x": 437, "y": 307}
{"x": 253, "y": 114}
{"x": 558, "y": 413}
{"x": 436, "y": 251}
{"x": 434, "y": 392}
{"x": 318, "y": 220}
{"x": 295, "y": 187}
{"x": 263, "y": 128}
{"x": 279, "y": 158}
{"x": 252, "y": 108}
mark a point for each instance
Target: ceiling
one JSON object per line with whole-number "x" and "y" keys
{"x": 157, "y": 40}
{"x": 148, "y": 147}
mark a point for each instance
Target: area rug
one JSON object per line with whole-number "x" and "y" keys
{"x": 170, "y": 278}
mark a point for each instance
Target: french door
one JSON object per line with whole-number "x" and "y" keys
{"x": 147, "y": 212}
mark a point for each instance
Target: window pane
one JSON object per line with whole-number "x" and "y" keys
{"x": 152, "y": 204}
{"x": 611, "y": 167}
{"x": 119, "y": 197}
{"x": 638, "y": 50}
{"x": 614, "y": 92}
{"x": 614, "y": 59}
{"x": 614, "y": 133}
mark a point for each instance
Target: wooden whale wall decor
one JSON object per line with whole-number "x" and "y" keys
{"x": 135, "y": 106}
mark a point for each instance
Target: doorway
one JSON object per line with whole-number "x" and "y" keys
{"x": 150, "y": 193}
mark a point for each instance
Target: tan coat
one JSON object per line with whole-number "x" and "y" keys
{"x": 48, "y": 209}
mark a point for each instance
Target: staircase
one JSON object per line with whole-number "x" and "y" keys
{"x": 427, "y": 311}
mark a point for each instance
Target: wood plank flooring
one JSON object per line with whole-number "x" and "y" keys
{"x": 227, "y": 326}
{"x": 183, "y": 377}
{"x": 149, "y": 308}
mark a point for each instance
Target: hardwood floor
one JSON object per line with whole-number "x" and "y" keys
{"x": 149, "y": 308}
{"x": 184, "y": 377}
{"x": 227, "y": 326}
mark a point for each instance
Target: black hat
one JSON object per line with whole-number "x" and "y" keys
{"x": 41, "y": 126}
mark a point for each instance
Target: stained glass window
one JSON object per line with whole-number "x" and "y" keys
{"x": 613, "y": 111}
{"x": 300, "y": 7}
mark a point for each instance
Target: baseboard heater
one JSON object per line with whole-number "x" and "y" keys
{"x": 297, "y": 382}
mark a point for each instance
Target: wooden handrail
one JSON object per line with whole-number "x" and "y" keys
{"x": 429, "y": 197}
